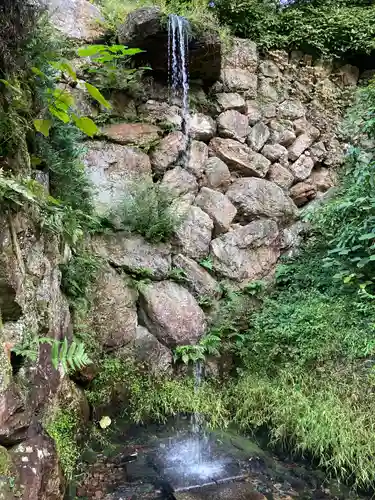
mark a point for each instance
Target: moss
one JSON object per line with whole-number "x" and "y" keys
{"x": 63, "y": 427}
{"x": 5, "y": 462}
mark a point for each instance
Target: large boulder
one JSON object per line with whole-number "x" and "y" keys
{"x": 260, "y": 198}
{"x": 76, "y": 19}
{"x": 38, "y": 472}
{"x": 197, "y": 279}
{"x": 137, "y": 134}
{"x": 147, "y": 29}
{"x": 216, "y": 174}
{"x": 201, "y": 127}
{"x": 179, "y": 181}
{"x": 171, "y": 313}
{"x": 151, "y": 353}
{"x": 239, "y": 80}
{"x": 161, "y": 112}
{"x": 194, "y": 234}
{"x": 230, "y": 100}
{"x": 134, "y": 254}
{"x": 233, "y": 124}
{"x": 112, "y": 169}
{"x": 250, "y": 252}
{"x": 240, "y": 157}
{"x": 218, "y": 207}
{"x": 168, "y": 151}
{"x": 110, "y": 293}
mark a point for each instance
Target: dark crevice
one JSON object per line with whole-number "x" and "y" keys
{"x": 17, "y": 361}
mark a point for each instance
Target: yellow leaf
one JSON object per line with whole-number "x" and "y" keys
{"x": 105, "y": 422}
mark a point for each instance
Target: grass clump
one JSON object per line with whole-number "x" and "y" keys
{"x": 63, "y": 427}
{"x": 146, "y": 397}
{"x": 148, "y": 210}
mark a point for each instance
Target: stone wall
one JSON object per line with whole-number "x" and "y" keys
{"x": 262, "y": 145}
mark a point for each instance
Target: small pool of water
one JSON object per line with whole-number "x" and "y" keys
{"x": 170, "y": 462}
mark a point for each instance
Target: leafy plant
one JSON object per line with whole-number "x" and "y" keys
{"x": 148, "y": 210}
{"x": 330, "y": 28}
{"x": 110, "y": 68}
{"x": 177, "y": 274}
{"x": 78, "y": 274}
{"x": 71, "y": 357}
{"x": 207, "y": 263}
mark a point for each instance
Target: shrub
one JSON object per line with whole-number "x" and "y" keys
{"x": 148, "y": 210}
{"x": 329, "y": 28}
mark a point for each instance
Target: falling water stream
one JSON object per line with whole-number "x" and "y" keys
{"x": 178, "y": 46}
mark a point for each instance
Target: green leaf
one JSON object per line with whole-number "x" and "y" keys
{"x": 55, "y": 354}
{"x": 368, "y": 236}
{"x": 43, "y": 126}
{"x": 91, "y": 50}
{"x": 37, "y": 72}
{"x": 97, "y": 95}
{"x": 61, "y": 115}
{"x": 86, "y": 125}
{"x": 185, "y": 358}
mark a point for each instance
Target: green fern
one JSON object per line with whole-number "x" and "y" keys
{"x": 71, "y": 357}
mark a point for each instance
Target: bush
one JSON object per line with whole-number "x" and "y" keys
{"x": 148, "y": 210}
{"x": 328, "y": 28}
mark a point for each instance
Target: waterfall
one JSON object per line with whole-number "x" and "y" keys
{"x": 178, "y": 45}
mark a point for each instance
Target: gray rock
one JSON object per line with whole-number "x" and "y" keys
{"x": 239, "y": 80}
{"x": 291, "y": 109}
{"x": 269, "y": 69}
{"x": 167, "y": 152}
{"x": 180, "y": 181}
{"x": 137, "y": 134}
{"x": 240, "y": 157}
{"x": 231, "y": 101}
{"x": 134, "y": 253}
{"x": 253, "y": 112}
{"x": 280, "y": 175}
{"x": 194, "y": 234}
{"x": 109, "y": 293}
{"x": 247, "y": 253}
{"x": 242, "y": 55}
{"x": 274, "y": 152}
{"x": 349, "y": 75}
{"x": 268, "y": 110}
{"x": 268, "y": 90}
{"x": 299, "y": 146}
{"x": 76, "y": 19}
{"x": 318, "y": 152}
{"x": 217, "y": 174}
{"x": 197, "y": 156}
{"x": 198, "y": 280}
{"x": 161, "y": 112}
{"x": 302, "y": 192}
{"x": 151, "y": 353}
{"x": 258, "y": 136}
{"x": 201, "y": 127}
{"x": 303, "y": 126}
{"x": 323, "y": 179}
{"x": 218, "y": 207}
{"x": 301, "y": 168}
{"x": 113, "y": 169}
{"x": 234, "y": 125}
{"x": 171, "y": 313}
{"x": 260, "y": 198}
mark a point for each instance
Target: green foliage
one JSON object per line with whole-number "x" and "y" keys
{"x": 327, "y": 414}
{"x": 5, "y": 462}
{"x": 78, "y": 274}
{"x": 63, "y": 428}
{"x": 148, "y": 210}
{"x": 153, "y": 398}
{"x": 111, "y": 68}
{"x": 71, "y": 357}
{"x": 330, "y": 28}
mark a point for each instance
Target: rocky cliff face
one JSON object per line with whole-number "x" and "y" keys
{"x": 262, "y": 145}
